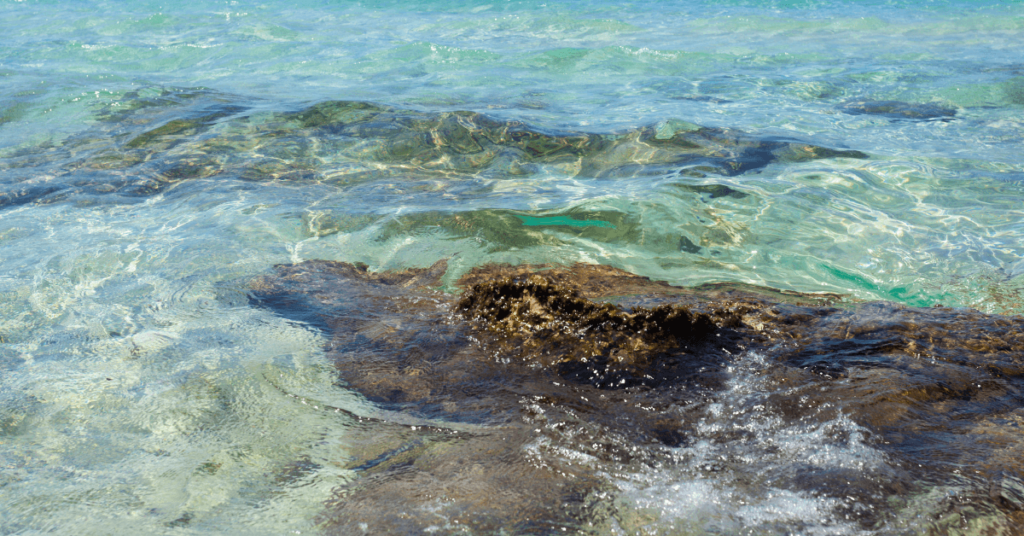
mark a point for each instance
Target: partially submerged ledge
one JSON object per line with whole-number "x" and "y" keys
{"x": 615, "y": 369}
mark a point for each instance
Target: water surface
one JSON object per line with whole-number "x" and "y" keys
{"x": 155, "y": 157}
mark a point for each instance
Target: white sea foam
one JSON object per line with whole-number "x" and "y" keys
{"x": 736, "y": 476}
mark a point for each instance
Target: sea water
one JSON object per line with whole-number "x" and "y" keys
{"x": 150, "y": 163}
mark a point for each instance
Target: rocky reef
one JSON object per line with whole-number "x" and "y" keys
{"x": 520, "y": 398}
{"x": 146, "y": 143}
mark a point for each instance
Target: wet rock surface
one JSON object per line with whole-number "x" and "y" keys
{"x": 598, "y": 343}
{"x": 539, "y": 386}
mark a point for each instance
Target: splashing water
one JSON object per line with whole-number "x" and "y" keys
{"x": 156, "y": 158}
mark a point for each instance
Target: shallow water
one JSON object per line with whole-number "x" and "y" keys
{"x": 156, "y": 157}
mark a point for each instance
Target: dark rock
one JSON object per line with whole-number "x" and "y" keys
{"x": 713, "y": 191}
{"x": 899, "y": 110}
{"x": 687, "y": 245}
{"x": 595, "y": 343}
{"x": 533, "y": 361}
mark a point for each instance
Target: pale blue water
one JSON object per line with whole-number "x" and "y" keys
{"x": 135, "y": 390}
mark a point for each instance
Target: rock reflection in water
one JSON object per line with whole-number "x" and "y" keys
{"x": 542, "y": 387}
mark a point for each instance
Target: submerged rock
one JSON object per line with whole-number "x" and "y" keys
{"x": 538, "y": 383}
{"x": 186, "y": 135}
{"x": 481, "y": 456}
{"x": 899, "y": 110}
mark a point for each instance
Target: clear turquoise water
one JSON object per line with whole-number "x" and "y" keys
{"x": 134, "y": 388}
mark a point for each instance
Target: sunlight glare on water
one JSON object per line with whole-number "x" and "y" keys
{"x": 136, "y": 390}
{"x": 157, "y": 157}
